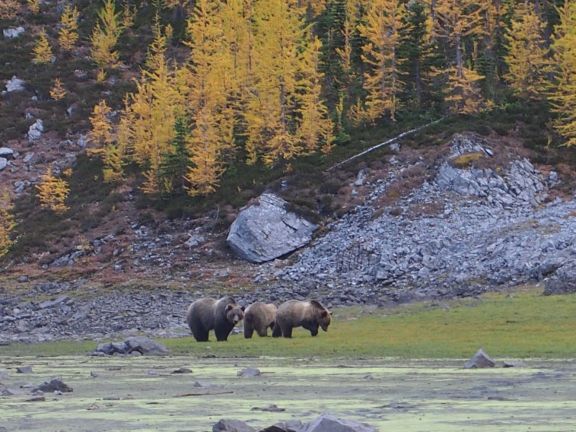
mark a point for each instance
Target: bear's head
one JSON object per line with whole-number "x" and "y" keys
{"x": 234, "y": 313}
{"x": 323, "y": 315}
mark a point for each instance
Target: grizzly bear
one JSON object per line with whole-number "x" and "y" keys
{"x": 294, "y": 313}
{"x": 259, "y": 316}
{"x": 208, "y": 314}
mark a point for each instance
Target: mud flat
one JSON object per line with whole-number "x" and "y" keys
{"x": 144, "y": 394}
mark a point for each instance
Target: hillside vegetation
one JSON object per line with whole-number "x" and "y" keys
{"x": 193, "y": 108}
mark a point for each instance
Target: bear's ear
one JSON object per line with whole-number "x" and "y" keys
{"x": 229, "y": 307}
{"x": 324, "y": 314}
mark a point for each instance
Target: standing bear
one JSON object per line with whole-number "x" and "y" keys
{"x": 259, "y": 316}
{"x": 208, "y": 314}
{"x": 294, "y": 313}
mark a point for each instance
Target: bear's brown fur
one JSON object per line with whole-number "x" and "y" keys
{"x": 208, "y": 314}
{"x": 294, "y": 313}
{"x": 259, "y": 316}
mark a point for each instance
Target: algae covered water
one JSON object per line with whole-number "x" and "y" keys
{"x": 145, "y": 394}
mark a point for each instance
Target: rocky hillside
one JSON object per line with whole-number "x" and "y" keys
{"x": 484, "y": 217}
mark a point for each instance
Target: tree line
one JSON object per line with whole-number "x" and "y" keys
{"x": 267, "y": 81}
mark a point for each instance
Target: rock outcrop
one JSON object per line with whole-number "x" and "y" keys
{"x": 464, "y": 231}
{"x": 267, "y": 230}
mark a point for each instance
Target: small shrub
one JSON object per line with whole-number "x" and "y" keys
{"x": 466, "y": 160}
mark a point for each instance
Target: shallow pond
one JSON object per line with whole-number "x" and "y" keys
{"x": 142, "y": 393}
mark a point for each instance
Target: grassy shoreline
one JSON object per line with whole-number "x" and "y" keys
{"x": 521, "y": 324}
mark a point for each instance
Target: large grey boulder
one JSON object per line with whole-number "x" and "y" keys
{"x": 287, "y": 426}
{"x": 135, "y": 344}
{"x": 3, "y": 163}
{"x": 329, "y": 423}
{"x": 267, "y": 230}
{"x": 480, "y": 360}
{"x": 232, "y": 426}
{"x": 145, "y": 345}
{"x": 563, "y": 281}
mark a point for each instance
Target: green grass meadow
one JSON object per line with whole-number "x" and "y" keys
{"x": 522, "y": 324}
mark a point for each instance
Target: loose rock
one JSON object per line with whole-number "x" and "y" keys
{"x": 249, "y": 372}
{"x": 232, "y": 426}
{"x": 54, "y": 385}
{"x": 329, "y": 423}
{"x": 35, "y": 131}
{"x": 24, "y": 369}
{"x": 182, "y": 370}
{"x": 6, "y": 153}
{"x": 480, "y": 360}
{"x": 14, "y": 84}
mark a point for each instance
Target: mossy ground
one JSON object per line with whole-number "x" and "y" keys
{"x": 519, "y": 324}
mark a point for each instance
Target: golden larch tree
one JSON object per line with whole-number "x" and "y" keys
{"x": 57, "y": 92}
{"x": 33, "y": 5}
{"x": 42, "y": 50}
{"x": 211, "y": 121}
{"x": 146, "y": 129}
{"x": 269, "y": 114}
{"x": 128, "y": 14}
{"x": 528, "y": 57}
{"x": 316, "y": 129}
{"x": 563, "y": 96}
{"x": 101, "y": 132}
{"x": 52, "y": 192}
{"x": 68, "y": 33}
{"x": 106, "y": 148}
{"x": 382, "y": 81}
{"x": 105, "y": 37}
{"x": 238, "y": 34}
{"x": 7, "y": 224}
{"x": 456, "y": 20}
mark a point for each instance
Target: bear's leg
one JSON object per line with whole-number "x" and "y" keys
{"x": 276, "y": 330}
{"x": 222, "y": 332}
{"x": 200, "y": 334}
{"x": 313, "y": 330}
{"x": 287, "y": 331}
{"x": 248, "y": 331}
{"x": 262, "y": 331}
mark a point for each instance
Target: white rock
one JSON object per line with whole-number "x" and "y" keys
{"x": 82, "y": 141}
{"x": 14, "y": 84}
{"x": 12, "y": 33}
{"x": 6, "y": 152}
{"x": 195, "y": 240}
{"x": 35, "y": 131}
{"x": 3, "y": 163}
